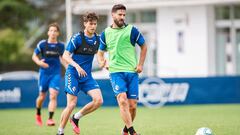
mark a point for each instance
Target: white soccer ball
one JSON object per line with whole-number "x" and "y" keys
{"x": 204, "y": 131}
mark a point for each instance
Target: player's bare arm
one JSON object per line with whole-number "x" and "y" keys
{"x": 67, "y": 57}
{"x": 63, "y": 62}
{"x": 143, "y": 53}
{"x": 101, "y": 59}
{"x": 39, "y": 62}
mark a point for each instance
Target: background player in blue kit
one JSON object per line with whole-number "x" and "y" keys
{"x": 50, "y": 71}
{"x": 79, "y": 55}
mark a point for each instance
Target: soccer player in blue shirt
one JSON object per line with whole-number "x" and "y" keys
{"x": 79, "y": 55}
{"x": 50, "y": 51}
{"x": 119, "y": 40}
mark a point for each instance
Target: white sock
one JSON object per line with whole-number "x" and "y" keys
{"x": 60, "y": 130}
{"x": 78, "y": 115}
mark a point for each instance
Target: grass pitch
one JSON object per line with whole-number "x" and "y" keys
{"x": 169, "y": 120}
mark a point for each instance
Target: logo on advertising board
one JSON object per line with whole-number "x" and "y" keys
{"x": 10, "y": 95}
{"x": 154, "y": 92}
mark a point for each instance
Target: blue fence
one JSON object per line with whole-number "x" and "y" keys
{"x": 154, "y": 92}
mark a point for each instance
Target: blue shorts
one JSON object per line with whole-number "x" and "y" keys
{"x": 125, "y": 82}
{"x": 47, "y": 81}
{"x": 74, "y": 83}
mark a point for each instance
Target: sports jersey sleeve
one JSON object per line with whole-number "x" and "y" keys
{"x": 39, "y": 47}
{"x": 102, "y": 45}
{"x": 136, "y": 37}
{"x": 74, "y": 42}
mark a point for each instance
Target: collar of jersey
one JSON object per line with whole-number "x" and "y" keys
{"x": 124, "y": 26}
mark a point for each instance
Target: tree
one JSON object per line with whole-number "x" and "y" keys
{"x": 15, "y": 14}
{"x": 10, "y": 44}
{"x": 20, "y": 19}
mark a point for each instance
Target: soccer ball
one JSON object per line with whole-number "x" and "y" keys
{"x": 204, "y": 131}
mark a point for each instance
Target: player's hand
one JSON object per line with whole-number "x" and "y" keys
{"x": 43, "y": 64}
{"x": 139, "y": 68}
{"x": 106, "y": 65}
{"x": 80, "y": 71}
{"x": 102, "y": 63}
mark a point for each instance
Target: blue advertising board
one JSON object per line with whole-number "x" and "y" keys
{"x": 153, "y": 92}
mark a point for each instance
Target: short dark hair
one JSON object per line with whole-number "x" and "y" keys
{"x": 118, "y": 7}
{"x": 56, "y": 25}
{"x": 90, "y": 16}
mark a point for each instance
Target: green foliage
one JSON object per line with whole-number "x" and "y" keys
{"x": 15, "y": 14}
{"x": 10, "y": 44}
{"x": 12, "y": 56}
{"x": 20, "y": 20}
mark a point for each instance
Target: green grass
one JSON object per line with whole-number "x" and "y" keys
{"x": 169, "y": 120}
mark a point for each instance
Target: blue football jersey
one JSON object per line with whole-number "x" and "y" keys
{"x": 135, "y": 37}
{"x": 85, "y": 61}
{"x": 50, "y": 52}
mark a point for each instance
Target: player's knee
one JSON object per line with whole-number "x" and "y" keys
{"x": 122, "y": 102}
{"x": 71, "y": 105}
{"x": 122, "y": 98}
{"x": 98, "y": 102}
{"x": 52, "y": 97}
{"x": 41, "y": 97}
{"x": 133, "y": 107}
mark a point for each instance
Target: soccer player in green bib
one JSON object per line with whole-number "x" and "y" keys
{"x": 119, "y": 41}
